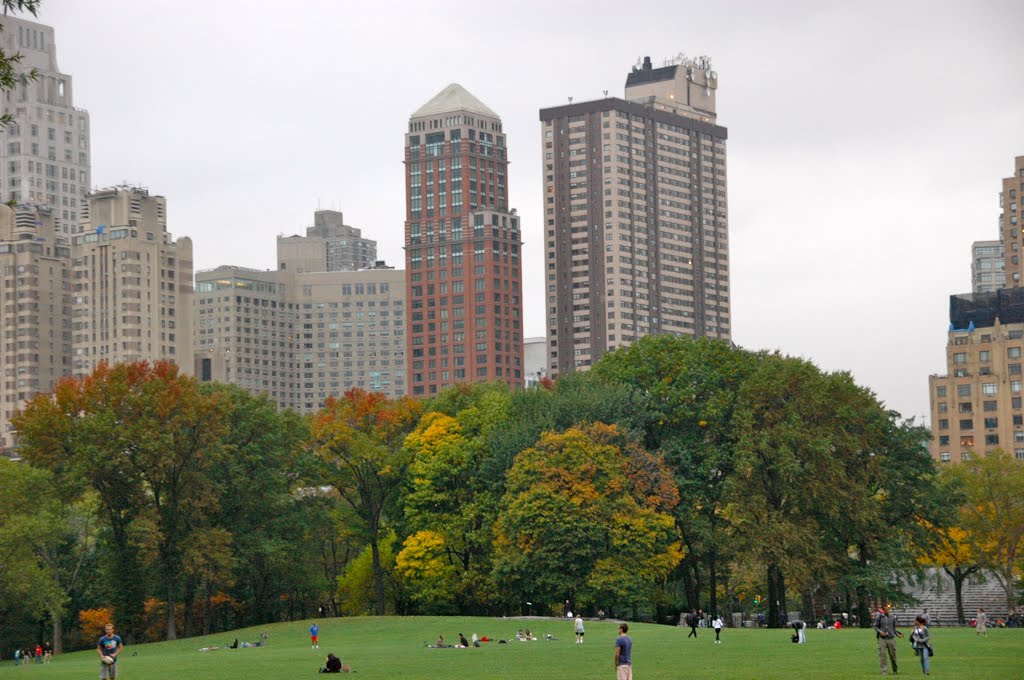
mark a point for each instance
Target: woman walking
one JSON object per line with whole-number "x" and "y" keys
{"x": 921, "y": 640}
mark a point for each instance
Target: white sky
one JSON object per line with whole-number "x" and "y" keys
{"x": 867, "y": 139}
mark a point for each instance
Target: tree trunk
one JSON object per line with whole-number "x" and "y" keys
{"x": 190, "y": 601}
{"x": 207, "y": 594}
{"x": 1006, "y": 581}
{"x": 58, "y": 632}
{"x": 172, "y": 625}
{"x": 713, "y": 581}
{"x": 378, "y": 574}
{"x": 776, "y": 595}
{"x": 129, "y": 596}
{"x": 691, "y": 583}
{"x": 809, "y": 613}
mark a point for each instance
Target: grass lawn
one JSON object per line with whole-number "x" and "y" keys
{"x": 393, "y": 648}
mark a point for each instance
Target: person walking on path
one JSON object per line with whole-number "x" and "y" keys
{"x": 691, "y": 621}
{"x": 886, "y": 632}
{"x": 921, "y": 641}
{"x": 980, "y": 623}
{"x": 109, "y": 646}
{"x": 314, "y": 636}
{"x": 717, "y": 625}
{"x": 578, "y": 627}
{"x": 623, "y": 654}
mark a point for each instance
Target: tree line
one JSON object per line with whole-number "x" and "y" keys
{"x": 676, "y": 474}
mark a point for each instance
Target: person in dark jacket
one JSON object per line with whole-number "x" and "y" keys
{"x": 331, "y": 665}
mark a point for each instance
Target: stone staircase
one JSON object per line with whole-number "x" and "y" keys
{"x": 935, "y": 592}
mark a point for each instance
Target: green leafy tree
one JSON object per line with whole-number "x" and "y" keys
{"x": 579, "y": 517}
{"x": 357, "y": 587}
{"x": 359, "y": 439}
{"x": 686, "y": 391}
{"x": 803, "y": 450}
{"x": 29, "y": 513}
{"x": 145, "y": 438}
{"x": 993, "y": 514}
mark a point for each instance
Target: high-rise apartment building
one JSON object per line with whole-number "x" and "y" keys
{"x": 462, "y": 247}
{"x": 329, "y": 245}
{"x": 44, "y": 155}
{"x": 987, "y": 266}
{"x": 1010, "y": 198}
{"x": 300, "y": 337}
{"x": 978, "y": 405}
{"x": 35, "y": 316}
{"x": 635, "y": 215}
{"x": 132, "y": 283}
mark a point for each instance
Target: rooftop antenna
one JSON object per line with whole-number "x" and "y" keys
{"x": 605, "y": 93}
{"x": 570, "y": 100}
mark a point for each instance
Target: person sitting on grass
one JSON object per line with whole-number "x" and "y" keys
{"x": 440, "y": 642}
{"x": 331, "y": 665}
{"x": 529, "y": 635}
{"x": 463, "y": 642}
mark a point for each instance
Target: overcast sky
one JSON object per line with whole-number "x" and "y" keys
{"x": 867, "y": 139}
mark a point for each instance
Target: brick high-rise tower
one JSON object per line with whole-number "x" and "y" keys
{"x": 462, "y": 248}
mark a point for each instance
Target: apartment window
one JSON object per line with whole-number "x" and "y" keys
{"x": 960, "y": 357}
{"x": 967, "y": 441}
{"x": 1015, "y": 385}
{"x": 963, "y": 391}
{"x": 989, "y": 388}
{"x": 943, "y": 407}
{"x": 940, "y": 391}
{"x": 991, "y": 423}
{"x": 943, "y": 440}
{"x": 1018, "y": 454}
{"x": 966, "y": 423}
{"x": 984, "y": 356}
{"x": 992, "y": 440}
{"x": 990, "y": 405}
{"x": 1015, "y": 403}
{"x": 944, "y": 456}
{"x": 1013, "y": 352}
{"x": 943, "y": 423}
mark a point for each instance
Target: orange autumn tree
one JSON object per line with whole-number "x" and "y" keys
{"x": 145, "y": 438}
{"x": 952, "y": 549}
{"x": 587, "y": 513}
{"x": 358, "y": 438}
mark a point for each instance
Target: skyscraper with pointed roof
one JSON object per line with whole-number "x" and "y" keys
{"x": 462, "y": 248}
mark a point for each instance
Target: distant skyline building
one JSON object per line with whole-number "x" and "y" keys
{"x": 535, "y": 352}
{"x": 636, "y": 225}
{"x": 301, "y": 337}
{"x": 987, "y": 266}
{"x": 132, "y": 283}
{"x": 462, "y": 247}
{"x": 35, "y": 319}
{"x": 1010, "y": 195}
{"x": 329, "y": 245}
{"x": 978, "y": 405}
{"x": 45, "y": 153}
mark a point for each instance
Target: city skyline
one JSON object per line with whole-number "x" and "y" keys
{"x": 851, "y": 178}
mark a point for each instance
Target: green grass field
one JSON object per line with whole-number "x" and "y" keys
{"x": 393, "y": 648}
